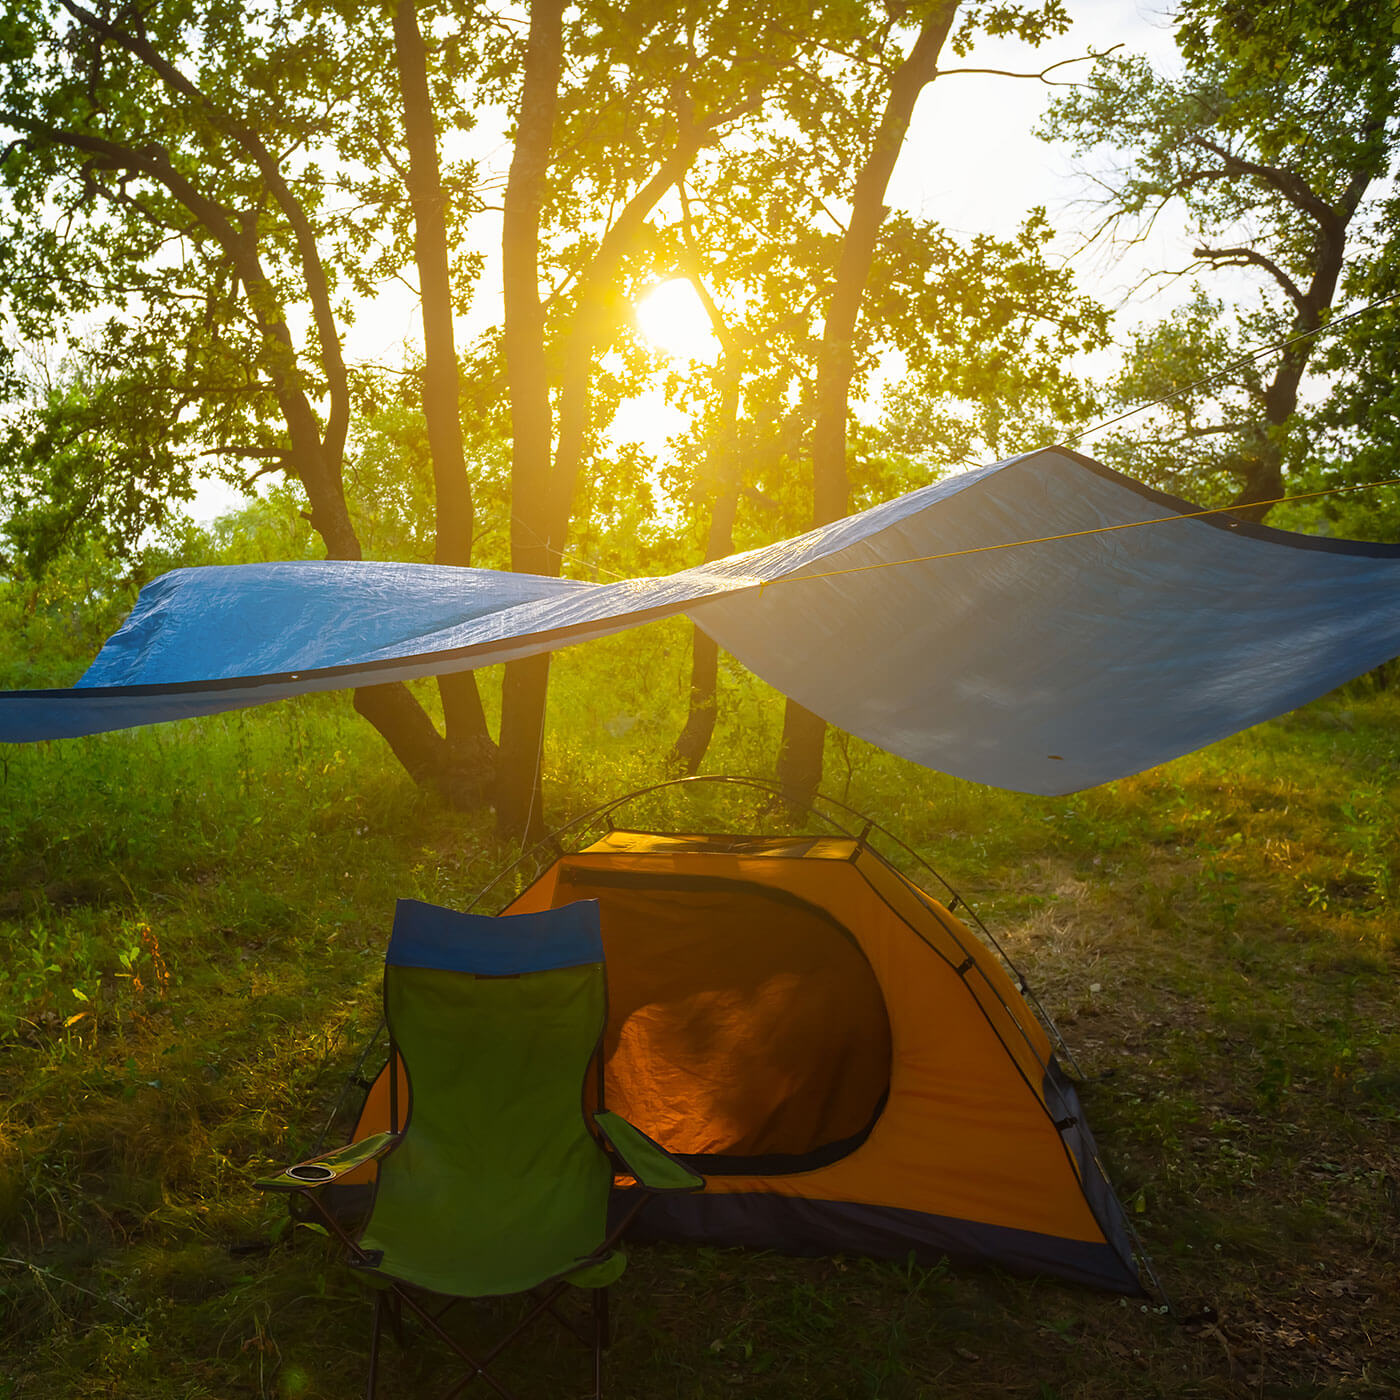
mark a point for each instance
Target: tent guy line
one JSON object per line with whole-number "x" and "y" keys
{"x": 1076, "y": 534}
{"x": 1037, "y": 539}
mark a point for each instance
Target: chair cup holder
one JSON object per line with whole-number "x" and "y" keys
{"x": 313, "y": 1173}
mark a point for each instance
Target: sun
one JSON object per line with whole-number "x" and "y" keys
{"x": 673, "y": 320}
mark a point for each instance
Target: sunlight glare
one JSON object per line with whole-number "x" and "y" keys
{"x": 672, "y": 319}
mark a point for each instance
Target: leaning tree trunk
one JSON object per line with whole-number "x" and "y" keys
{"x": 315, "y": 456}
{"x": 800, "y": 754}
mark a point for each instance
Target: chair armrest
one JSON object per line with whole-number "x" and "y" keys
{"x": 651, "y": 1164}
{"x": 330, "y": 1166}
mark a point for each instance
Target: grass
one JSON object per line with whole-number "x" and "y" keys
{"x": 192, "y": 921}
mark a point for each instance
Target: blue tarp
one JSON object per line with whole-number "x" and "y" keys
{"x": 994, "y": 625}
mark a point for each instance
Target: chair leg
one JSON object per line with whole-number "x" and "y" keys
{"x": 600, "y": 1338}
{"x": 374, "y": 1346}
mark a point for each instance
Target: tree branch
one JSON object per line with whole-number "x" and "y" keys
{"x": 1091, "y": 57}
{"x": 322, "y": 479}
{"x": 230, "y": 449}
{"x": 1251, "y": 257}
{"x": 1293, "y": 187}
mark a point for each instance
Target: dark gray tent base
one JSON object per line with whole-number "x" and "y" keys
{"x": 794, "y": 1225}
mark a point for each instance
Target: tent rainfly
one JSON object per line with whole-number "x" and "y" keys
{"x": 848, "y": 1066}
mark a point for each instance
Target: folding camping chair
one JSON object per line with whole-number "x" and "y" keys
{"x": 492, "y": 1180}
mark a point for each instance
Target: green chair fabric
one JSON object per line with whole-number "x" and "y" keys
{"x": 497, "y": 1185}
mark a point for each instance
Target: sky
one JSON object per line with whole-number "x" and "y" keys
{"x": 971, "y": 162}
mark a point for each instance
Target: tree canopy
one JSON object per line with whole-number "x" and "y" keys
{"x": 1273, "y": 145}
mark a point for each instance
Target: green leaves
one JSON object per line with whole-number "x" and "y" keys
{"x": 1032, "y": 24}
{"x": 1271, "y": 144}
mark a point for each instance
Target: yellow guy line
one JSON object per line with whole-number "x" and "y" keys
{"x": 1077, "y": 534}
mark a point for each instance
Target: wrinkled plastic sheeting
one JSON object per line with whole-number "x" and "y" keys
{"x": 995, "y": 625}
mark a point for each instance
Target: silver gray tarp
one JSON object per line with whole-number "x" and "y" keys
{"x": 995, "y": 625}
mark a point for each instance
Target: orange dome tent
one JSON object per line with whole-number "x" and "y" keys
{"x": 846, "y": 1064}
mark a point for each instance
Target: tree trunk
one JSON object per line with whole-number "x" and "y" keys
{"x": 722, "y": 462}
{"x": 519, "y": 800}
{"x": 800, "y": 755}
{"x": 1262, "y": 470}
{"x": 465, "y": 722}
{"x": 316, "y": 455}
{"x": 694, "y": 740}
{"x": 391, "y": 709}
{"x": 459, "y": 778}
{"x": 523, "y": 694}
